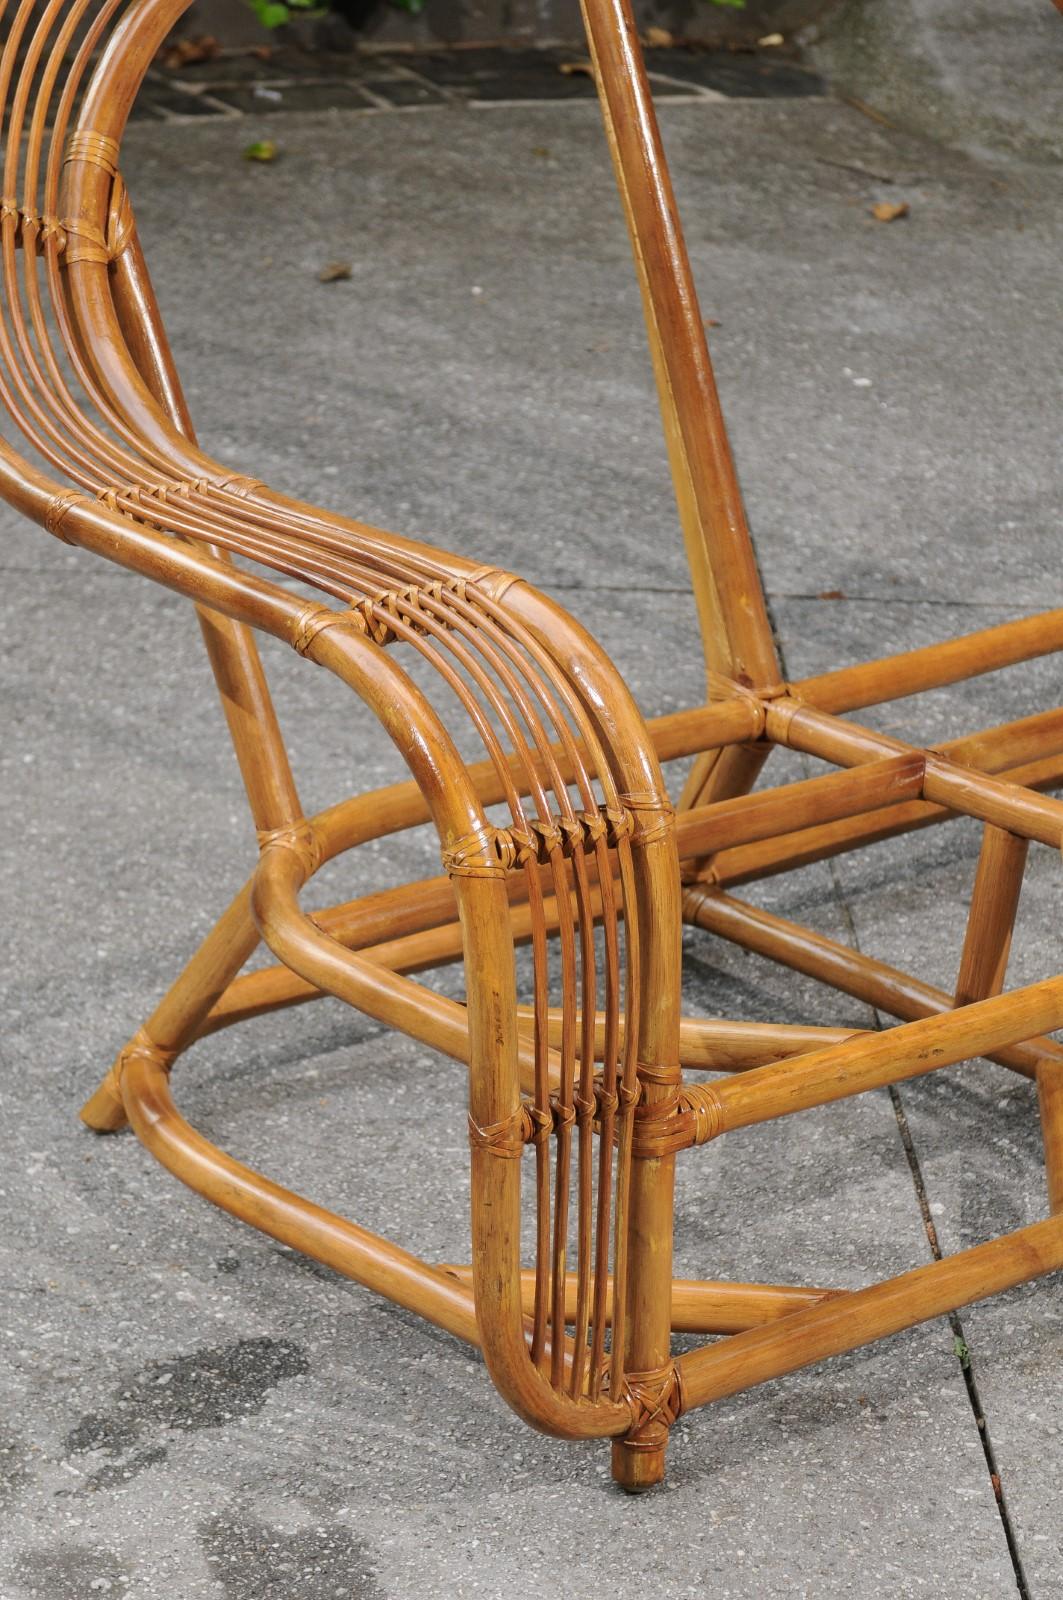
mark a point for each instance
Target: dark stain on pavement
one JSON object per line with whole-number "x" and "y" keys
{"x": 253, "y": 1561}
{"x": 14, "y": 1465}
{"x": 113, "y": 1474}
{"x": 70, "y": 1572}
{"x": 206, "y": 1389}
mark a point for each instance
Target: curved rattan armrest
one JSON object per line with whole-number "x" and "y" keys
{"x": 589, "y": 836}
{"x": 559, "y": 838}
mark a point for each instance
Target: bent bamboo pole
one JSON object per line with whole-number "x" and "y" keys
{"x": 288, "y": 1217}
{"x": 945, "y": 783}
{"x": 932, "y": 666}
{"x": 859, "y": 1318}
{"x": 878, "y": 1059}
{"x": 698, "y": 1305}
{"x": 877, "y": 984}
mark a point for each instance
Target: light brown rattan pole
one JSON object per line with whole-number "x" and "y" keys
{"x": 1050, "y": 1099}
{"x": 245, "y": 1194}
{"x": 231, "y": 646}
{"x": 700, "y": 1307}
{"x": 868, "y": 1314}
{"x": 991, "y": 918}
{"x": 787, "y": 851}
{"x": 578, "y": 1110}
{"x": 736, "y": 633}
{"x": 735, "y": 629}
{"x": 884, "y": 987}
{"x": 875, "y": 1060}
{"x": 932, "y": 666}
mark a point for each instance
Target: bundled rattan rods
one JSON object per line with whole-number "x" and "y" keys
{"x": 563, "y": 831}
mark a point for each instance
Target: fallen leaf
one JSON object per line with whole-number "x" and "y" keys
{"x": 712, "y": 322}
{"x": 261, "y": 52}
{"x": 334, "y": 271}
{"x": 867, "y": 111}
{"x": 261, "y": 150}
{"x": 861, "y": 172}
{"x": 994, "y": 1478}
{"x": 658, "y": 39}
{"x": 542, "y": 151}
{"x": 890, "y": 210}
{"x": 570, "y": 68}
{"x": 186, "y": 52}
{"x": 831, "y": 594}
{"x": 771, "y": 39}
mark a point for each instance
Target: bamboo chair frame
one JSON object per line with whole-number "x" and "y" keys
{"x": 579, "y": 1101}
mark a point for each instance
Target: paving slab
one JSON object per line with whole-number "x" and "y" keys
{"x": 299, "y": 1437}
{"x": 975, "y": 1127}
{"x": 296, "y": 1431}
{"x": 286, "y": 78}
{"x": 967, "y": 71}
{"x": 891, "y": 389}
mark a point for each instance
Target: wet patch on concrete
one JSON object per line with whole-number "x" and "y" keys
{"x": 68, "y": 1572}
{"x": 206, "y": 1389}
{"x": 251, "y": 1560}
{"x": 114, "y": 1474}
{"x": 14, "y": 1469}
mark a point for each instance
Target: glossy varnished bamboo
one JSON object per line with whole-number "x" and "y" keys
{"x": 559, "y": 838}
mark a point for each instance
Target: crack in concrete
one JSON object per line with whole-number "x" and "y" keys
{"x": 961, "y": 1346}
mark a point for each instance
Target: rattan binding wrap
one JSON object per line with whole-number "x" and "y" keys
{"x": 557, "y": 836}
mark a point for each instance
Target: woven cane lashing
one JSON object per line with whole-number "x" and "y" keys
{"x": 108, "y": 433}
{"x": 559, "y": 845}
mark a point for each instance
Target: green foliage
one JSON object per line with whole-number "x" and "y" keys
{"x": 275, "y": 13}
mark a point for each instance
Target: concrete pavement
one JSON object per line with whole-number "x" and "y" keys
{"x": 190, "y": 1411}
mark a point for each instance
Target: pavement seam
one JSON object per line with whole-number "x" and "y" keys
{"x": 961, "y": 1347}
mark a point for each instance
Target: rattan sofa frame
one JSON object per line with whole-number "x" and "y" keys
{"x": 561, "y": 838}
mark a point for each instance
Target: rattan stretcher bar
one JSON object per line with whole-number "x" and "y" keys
{"x": 562, "y": 838}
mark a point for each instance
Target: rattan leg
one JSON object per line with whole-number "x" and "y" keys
{"x": 1050, "y": 1097}
{"x": 991, "y": 919}
{"x": 175, "y": 1021}
{"x": 590, "y": 840}
{"x": 638, "y": 1459}
{"x": 104, "y": 1110}
{"x": 649, "y": 1372}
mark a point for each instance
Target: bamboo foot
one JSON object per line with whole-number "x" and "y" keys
{"x": 1050, "y": 1094}
{"x": 637, "y": 1468}
{"x": 104, "y": 1111}
{"x": 638, "y": 1458}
